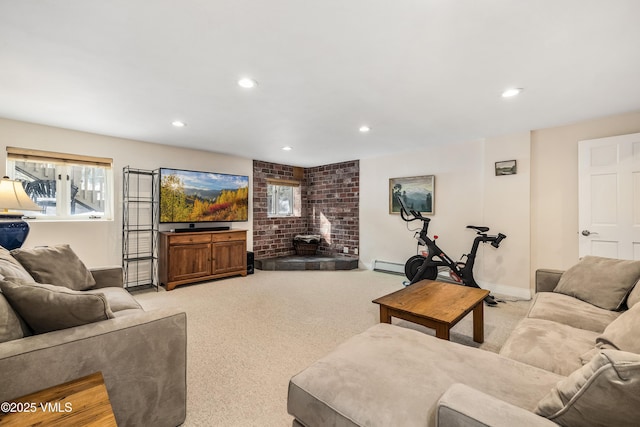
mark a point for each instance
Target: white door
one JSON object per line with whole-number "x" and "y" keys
{"x": 609, "y": 197}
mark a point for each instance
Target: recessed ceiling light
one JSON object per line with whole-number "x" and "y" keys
{"x": 178, "y": 124}
{"x": 247, "y": 83}
{"x": 364, "y": 129}
{"x": 511, "y": 92}
{"x": 287, "y": 148}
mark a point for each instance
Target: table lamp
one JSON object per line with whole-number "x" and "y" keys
{"x": 13, "y": 229}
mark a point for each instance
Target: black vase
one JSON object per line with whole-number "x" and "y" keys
{"x": 13, "y": 233}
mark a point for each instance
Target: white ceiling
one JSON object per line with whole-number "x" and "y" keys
{"x": 419, "y": 72}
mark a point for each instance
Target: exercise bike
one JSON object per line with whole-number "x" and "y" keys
{"x": 425, "y": 266}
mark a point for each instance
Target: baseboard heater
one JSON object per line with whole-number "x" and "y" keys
{"x": 388, "y": 267}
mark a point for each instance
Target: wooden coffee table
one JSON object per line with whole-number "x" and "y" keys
{"x": 83, "y": 402}
{"x": 436, "y": 305}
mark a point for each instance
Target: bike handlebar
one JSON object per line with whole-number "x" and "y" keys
{"x": 404, "y": 212}
{"x": 484, "y": 238}
{"x": 499, "y": 238}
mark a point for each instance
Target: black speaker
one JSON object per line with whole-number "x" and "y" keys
{"x": 249, "y": 262}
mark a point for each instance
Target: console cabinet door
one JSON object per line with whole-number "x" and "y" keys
{"x": 230, "y": 256}
{"x": 189, "y": 261}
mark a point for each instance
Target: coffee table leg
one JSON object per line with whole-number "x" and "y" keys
{"x": 478, "y": 322}
{"x": 385, "y": 315}
{"x": 442, "y": 331}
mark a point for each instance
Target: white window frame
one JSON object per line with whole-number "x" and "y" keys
{"x": 63, "y": 164}
{"x": 276, "y": 187}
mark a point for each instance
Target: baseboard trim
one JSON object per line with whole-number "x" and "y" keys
{"x": 508, "y": 291}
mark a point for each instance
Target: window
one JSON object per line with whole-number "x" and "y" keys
{"x": 283, "y": 198}
{"x": 65, "y": 186}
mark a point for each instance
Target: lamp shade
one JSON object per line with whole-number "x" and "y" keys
{"x": 13, "y": 196}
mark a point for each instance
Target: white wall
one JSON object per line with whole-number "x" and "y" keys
{"x": 467, "y": 193}
{"x": 554, "y": 186}
{"x": 458, "y": 196}
{"x": 506, "y": 205}
{"x": 99, "y": 243}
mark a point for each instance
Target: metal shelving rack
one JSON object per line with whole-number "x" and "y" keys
{"x": 140, "y": 223}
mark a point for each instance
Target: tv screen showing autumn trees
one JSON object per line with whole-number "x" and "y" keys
{"x": 190, "y": 196}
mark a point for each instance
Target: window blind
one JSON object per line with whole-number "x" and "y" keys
{"x": 285, "y": 182}
{"x": 22, "y": 154}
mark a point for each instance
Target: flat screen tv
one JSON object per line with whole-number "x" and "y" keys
{"x": 192, "y": 196}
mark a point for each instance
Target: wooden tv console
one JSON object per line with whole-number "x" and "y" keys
{"x": 199, "y": 256}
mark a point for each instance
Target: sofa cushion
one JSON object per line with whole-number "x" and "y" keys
{"x": 119, "y": 299}
{"x": 606, "y": 391}
{"x": 55, "y": 264}
{"x": 603, "y": 282}
{"x": 390, "y": 375}
{"x": 570, "y": 311}
{"x": 10, "y": 268}
{"x": 624, "y": 332}
{"x": 588, "y": 355}
{"x": 48, "y": 308}
{"x": 548, "y": 345}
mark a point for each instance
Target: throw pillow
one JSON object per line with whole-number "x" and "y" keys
{"x": 48, "y": 308}
{"x": 622, "y": 333}
{"x": 10, "y": 268}
{"x": 634, "y": 296}
{"x": 10, "y": 328}
{"x": 605, "y": 391}
{"x": 56, "y": 264}
{"x": 603, "y": 282}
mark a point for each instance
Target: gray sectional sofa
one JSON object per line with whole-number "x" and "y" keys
{"x": 574, "y": 360}
{"x": 52, "y": 333}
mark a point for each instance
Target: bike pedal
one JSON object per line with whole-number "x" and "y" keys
{"x": 490, "y": 301}
{"x": 496, "y": 299}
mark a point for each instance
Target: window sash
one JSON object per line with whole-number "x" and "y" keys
{"x": 83, "y": 184}
{"x": 276, "y": 194}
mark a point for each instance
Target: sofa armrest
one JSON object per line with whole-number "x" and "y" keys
{"x": 107, "y": 277}
{"x": 464, "y": 406}
{"x": 547, "y": 279}
{"x": 142, "y": 358}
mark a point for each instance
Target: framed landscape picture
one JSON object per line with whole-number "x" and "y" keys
{"x": 417, "y": 192}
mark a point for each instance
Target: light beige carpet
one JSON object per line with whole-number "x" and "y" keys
{"x": 248, "y": 336}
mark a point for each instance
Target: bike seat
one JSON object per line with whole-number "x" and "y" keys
{"x": 478, "y": 229}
